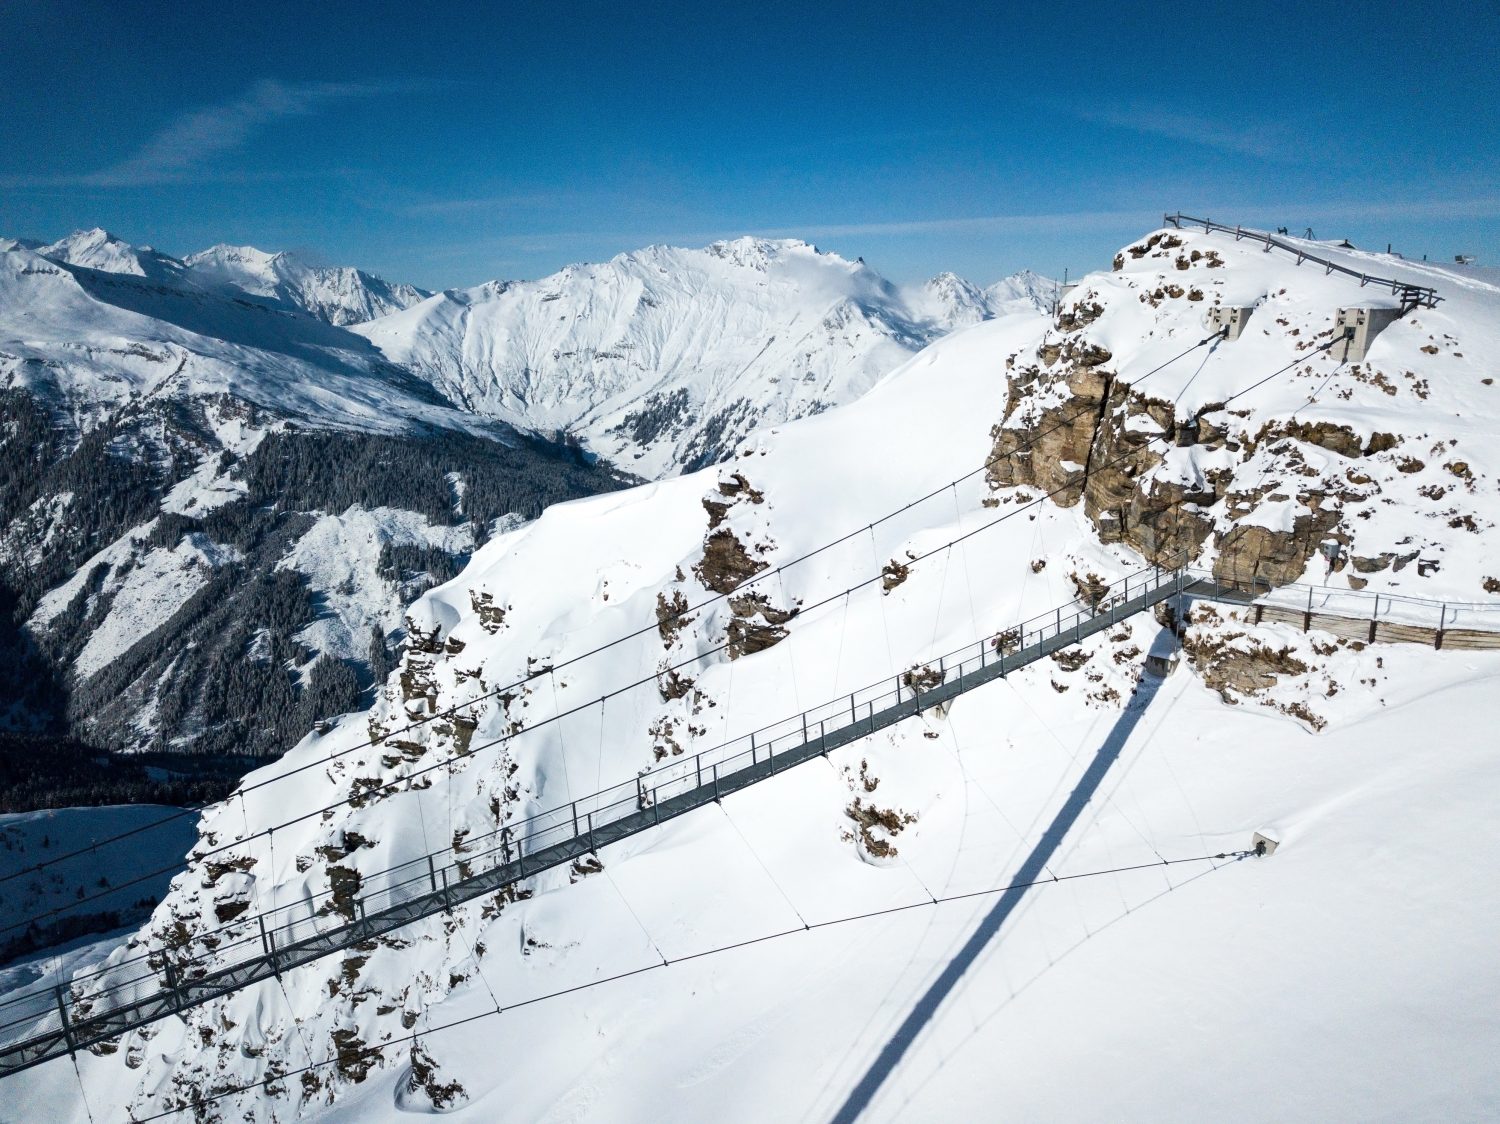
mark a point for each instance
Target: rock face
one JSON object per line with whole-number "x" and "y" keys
{"x": 1258, "y": 457}
{"x": 1096, "y": 445}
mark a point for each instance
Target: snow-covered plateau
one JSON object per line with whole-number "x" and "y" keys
{"x": 1154, "y": 970}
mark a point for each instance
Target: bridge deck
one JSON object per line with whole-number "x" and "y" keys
{"x": 39, "y": 1025}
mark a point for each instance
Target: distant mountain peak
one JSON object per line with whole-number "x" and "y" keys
{"x": 98, "y": 249}
{"x": 341, "y": 295}
{"x": 661, "y": 359}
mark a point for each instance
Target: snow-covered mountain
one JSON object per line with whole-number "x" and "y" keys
{"x": 100, "y": 250}
{"x": 949, "y": 299}
{"x": 214, "y": 507}
{"x": 339, "y": 295}
{"x": 663, "y": 359}
{"x": 148, "y": 386}
{"x": 1139, "y": 974}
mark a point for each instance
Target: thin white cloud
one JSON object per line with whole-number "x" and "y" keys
{"x": 181, "y": 150}
{"x": 1242, "y": 136}
{"x": 482, "y": 205}
{"x": 1122, "y": 222}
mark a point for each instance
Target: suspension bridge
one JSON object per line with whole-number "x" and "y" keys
{"x": 98, "y": 1006}
{"x": 95, "y": 1007}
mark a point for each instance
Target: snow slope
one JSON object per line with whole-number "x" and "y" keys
{"x": 99, "y": 325}
{"x": 30, "y": 838}
{"x": 1348, "y": 975}
{"x": 339, "y": 295}
{"x": 662, "y": 359}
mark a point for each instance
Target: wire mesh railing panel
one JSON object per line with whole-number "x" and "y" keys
{"x": 319, "y": 922}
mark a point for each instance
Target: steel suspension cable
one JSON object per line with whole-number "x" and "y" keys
{"x": 394, "y": 787}
{"x": 380, "y": 1048}
{"x": 677, "y": 615}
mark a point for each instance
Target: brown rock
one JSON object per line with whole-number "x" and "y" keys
{"x": 1258, "y": 557}
{"x": 726, "y": 564}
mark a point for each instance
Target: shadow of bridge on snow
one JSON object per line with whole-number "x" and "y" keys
{"x": 1031, "y": 870}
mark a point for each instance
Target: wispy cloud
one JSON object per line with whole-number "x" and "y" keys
{"x": 183, "y": 150}
{"x": 481, "y": 205}
{"x": 566, "y": 241}
{"x": 1244, "y": 137}
{"x": 977, "y": 224}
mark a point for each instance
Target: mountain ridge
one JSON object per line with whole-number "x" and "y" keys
{"x": 661, "y": 358}
{"x": 951, "y": 501}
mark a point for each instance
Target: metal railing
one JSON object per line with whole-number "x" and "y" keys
{"x": 103, "y": 1003}
{"x": 1353, "y": 604}
{"x": 1410, "y": 295}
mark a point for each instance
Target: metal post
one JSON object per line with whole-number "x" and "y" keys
{"x": 432, "y": 870}
{"x": 575, "y": 819}
{"x": 269, "y": 943}
{"x": 1307, "y": 616}
{"x": 1374, "y": 618}
{"x": 67, "y": 1026}
{"x": 853, "y": 717}
{"x": 716, "y": 781}
{"x": 504, "y": 843}
{"x": 593, "y": 847}
{"x": 1442, "y": 623}
{"x": 752, "y": 747}
{"x": 171, "y": 973}
{"x": 447, "y": 900}
{"x": 697, "y": 770}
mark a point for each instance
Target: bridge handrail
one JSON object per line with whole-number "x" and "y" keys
{"x": 1409, "y": 293}
{"x": 160, "y": 980}
{"x": 1370, "y": 604}
{"x": 327, "y": 912}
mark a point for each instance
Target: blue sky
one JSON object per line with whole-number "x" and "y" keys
{"x": 446, "y": 144}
